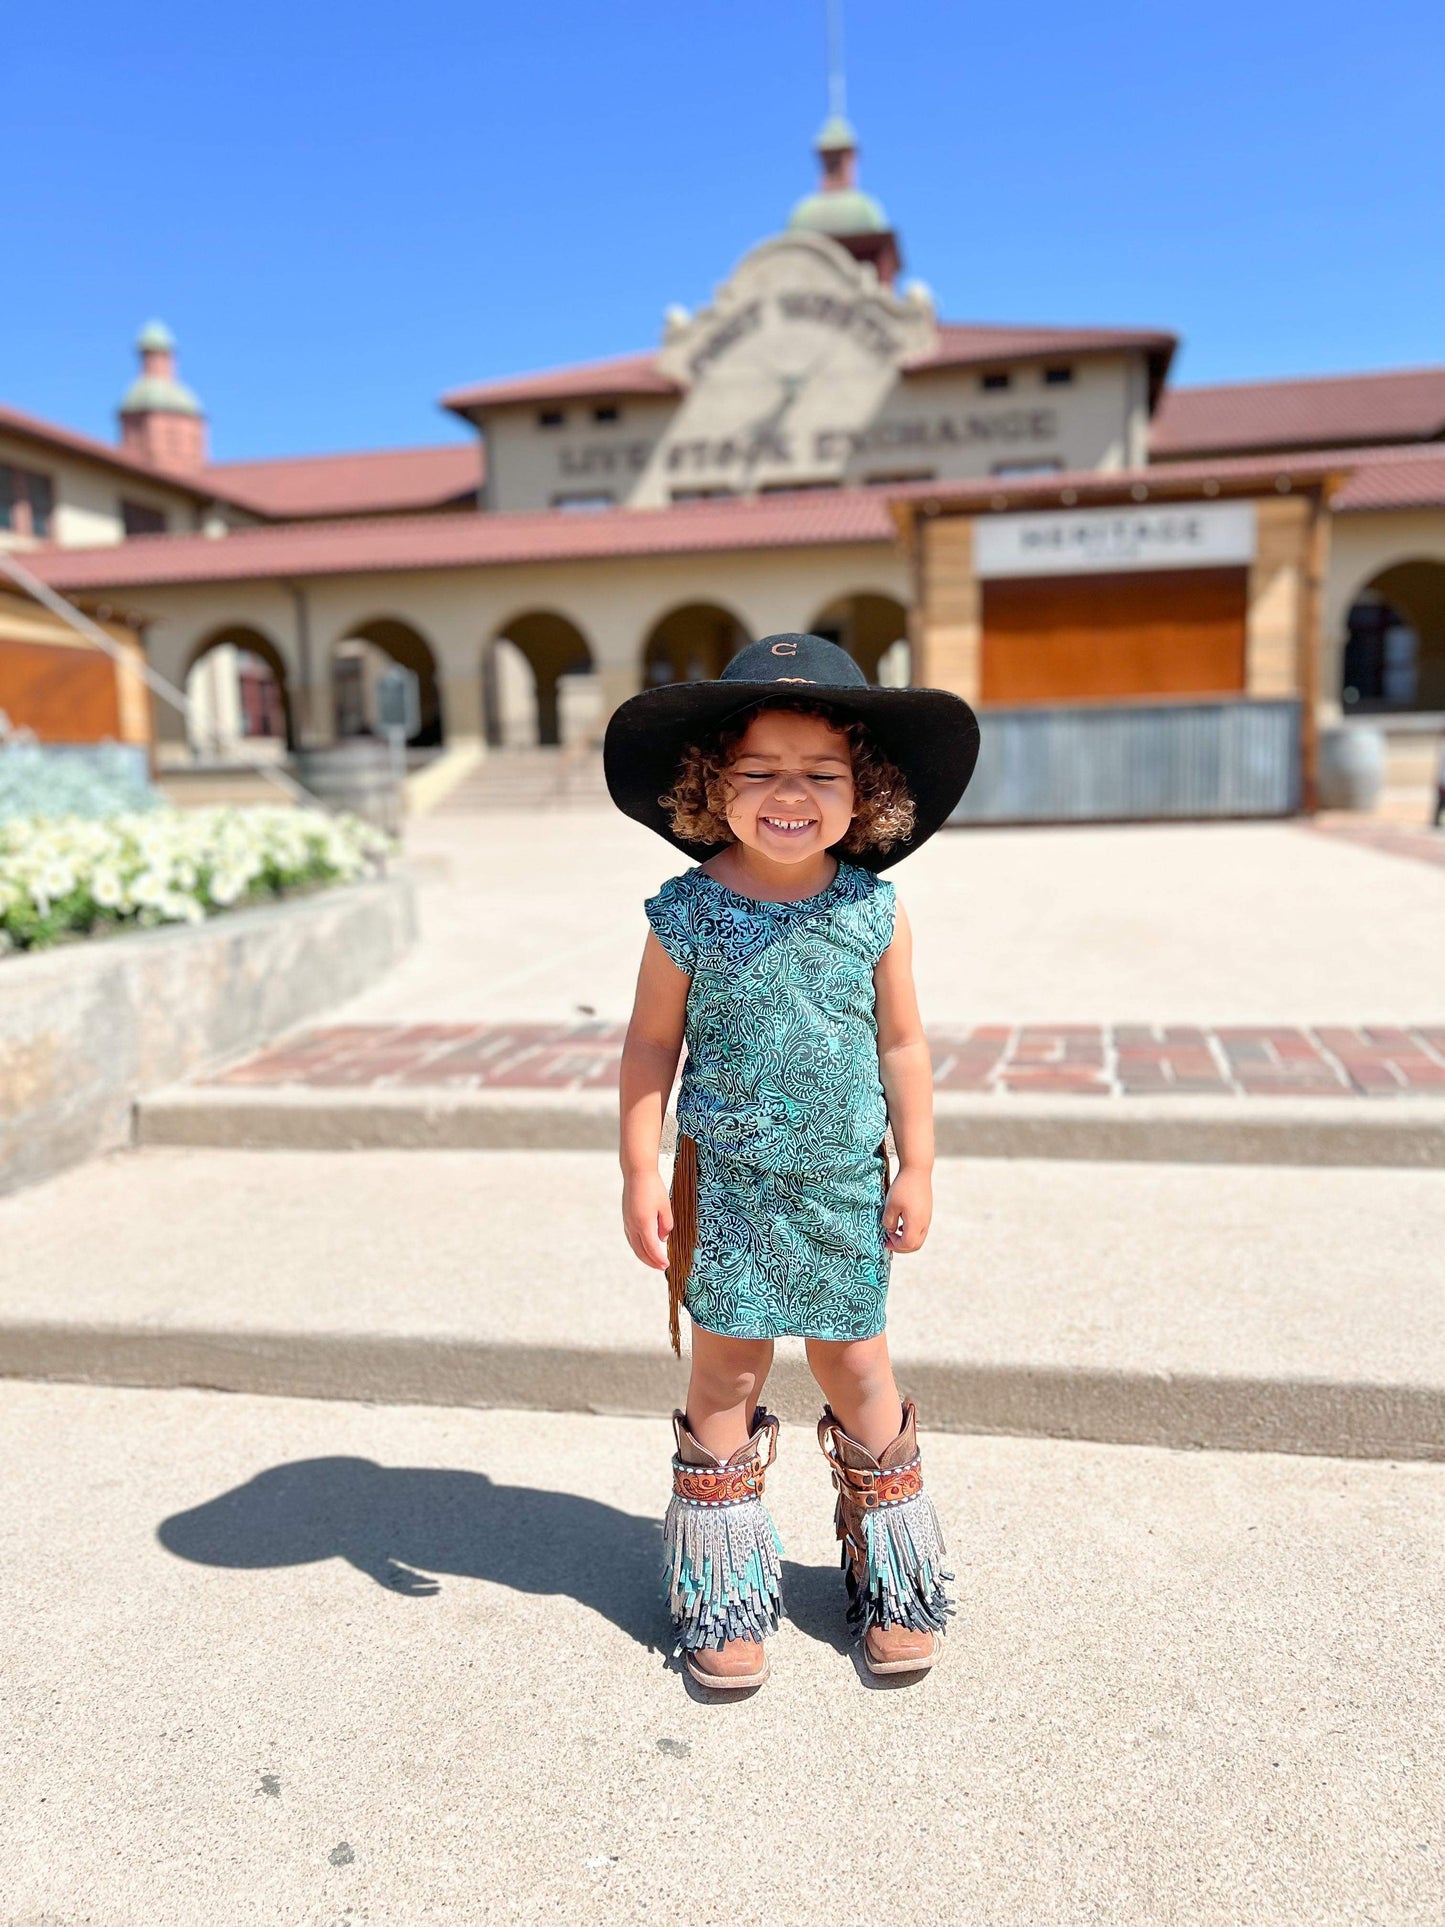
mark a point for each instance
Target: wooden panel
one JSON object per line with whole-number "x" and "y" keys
{"x": 1178, "y": 632}
{"x": 65, "y": 695}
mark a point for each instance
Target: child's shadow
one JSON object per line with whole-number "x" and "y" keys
{"x": 399, "y": 1524}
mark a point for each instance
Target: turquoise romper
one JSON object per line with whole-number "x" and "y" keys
{"x": 782, "y": 1095}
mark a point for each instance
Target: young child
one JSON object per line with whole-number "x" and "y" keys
{"x": 784, "y": 963}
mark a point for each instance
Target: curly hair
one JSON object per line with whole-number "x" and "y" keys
{"x": 697, "y": 802}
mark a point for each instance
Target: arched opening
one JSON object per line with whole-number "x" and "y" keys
{"x": 694, "y": 643}
{"x": 238, "y": 692}
{"x": 874, "y": 631}
{"x": 539, "y": 683}
{"x": 358, "y": 661}
{"x": 1394, "y": 658}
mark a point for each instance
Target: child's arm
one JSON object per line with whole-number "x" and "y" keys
{"x": 907, "y": 1073}
{"x": 649, "y": 1064}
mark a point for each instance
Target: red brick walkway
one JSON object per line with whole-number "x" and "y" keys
{"x": 1103, "y": 1060}
{"x": 1395, "y": 839}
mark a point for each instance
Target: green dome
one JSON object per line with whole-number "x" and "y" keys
{"x": 847, "y": 210}
{"x": 835, "y": 136}
{"x": 158, "y": 394}
{"x": 155, "y": 334}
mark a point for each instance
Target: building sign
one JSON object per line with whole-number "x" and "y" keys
{"x": 786, "y": 375}
{"x": 1098, "y": 541}
{"x": 822, "y": 449}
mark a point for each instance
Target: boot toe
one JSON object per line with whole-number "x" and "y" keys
{"x": 737, "y": 1663}
{"x": 898, "y": 1649}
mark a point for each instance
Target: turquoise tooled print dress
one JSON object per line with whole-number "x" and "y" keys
{"x": 782, "y": 1095}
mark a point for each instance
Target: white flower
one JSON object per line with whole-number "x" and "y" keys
{"x": 107, "y": 889}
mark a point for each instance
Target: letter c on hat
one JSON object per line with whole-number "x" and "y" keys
{"x": 787, "y": 647}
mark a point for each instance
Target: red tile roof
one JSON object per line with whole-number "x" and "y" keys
{"x": 623, "y": 375}
{"x": 823, "y": 517}
{"x": 1367, "y": 478}
{"x": 390, "y": 479}
{"x": 45, "y": 434}
{"x": 1401, "y": 478}
{"x": 1318, "y": 411}
{"x": 960, "y": 344}
{"x": 1244, "y": 474}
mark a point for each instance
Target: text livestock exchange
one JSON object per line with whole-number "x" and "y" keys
{"x": 830, "y": 446}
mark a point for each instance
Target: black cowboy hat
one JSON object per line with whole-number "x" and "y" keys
{"x": 930, "y": 735}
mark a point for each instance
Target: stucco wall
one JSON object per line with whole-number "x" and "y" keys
{"x": 88, "y": 497}
{"x": 85, "y": 1029}
{"x": 944, "y": 424}
{"x": 528, "y": 467}
{"x": 1361, "y": 547}
{"x": 615, "y": 605}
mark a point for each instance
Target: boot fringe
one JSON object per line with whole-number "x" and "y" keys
{"x": 722, "y": 1572}
{"x": 904, "y": 1554}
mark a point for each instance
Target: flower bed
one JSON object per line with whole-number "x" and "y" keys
{"x": 71, "y": 877}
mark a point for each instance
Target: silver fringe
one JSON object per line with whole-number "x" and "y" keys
{"x": 722, "y": 1571}
{"x": 905, "y": 1571}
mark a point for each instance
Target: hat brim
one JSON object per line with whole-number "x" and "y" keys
{"x": 930, "y": 734}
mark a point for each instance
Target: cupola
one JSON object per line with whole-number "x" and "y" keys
{"x": 161, "y": 421}
{"x": 840, "y": 208}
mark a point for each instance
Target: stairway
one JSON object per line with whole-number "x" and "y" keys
{"x": 535, "y": 778}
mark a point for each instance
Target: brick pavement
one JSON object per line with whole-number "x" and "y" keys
{"x": 1394, "y": 839}
{"x": 1107, "y": 1060}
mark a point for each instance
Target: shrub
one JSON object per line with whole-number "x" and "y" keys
{"x": 73, "y": 876}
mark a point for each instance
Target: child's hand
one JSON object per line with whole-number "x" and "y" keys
{"x": 910, "y": 1198}
{"x": 647, "y": 1217}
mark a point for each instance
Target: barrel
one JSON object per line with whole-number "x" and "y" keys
{"x": 359, "y": 778}
{"x": 1351, "y": 767}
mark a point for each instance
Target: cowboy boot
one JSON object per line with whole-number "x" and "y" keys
{"x": 721, "y": 1557}
{"x": 893, "y": 1547}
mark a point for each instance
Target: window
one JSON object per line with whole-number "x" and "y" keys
{"x": 1058, "y": 377}
{"x": 1049, "y": 465}
{"x": 26, "y": 501}
{"x": 703, "y": 494}
{"x": 582, "y": 503}
{"x": 1000, "y": 378}
{"x": 797, "y": 488}
{"x": 890, "y": 478}
{"x": 139, "y": 518}
{"x": 551, "y": 417}
{"x": 607, "y": 412}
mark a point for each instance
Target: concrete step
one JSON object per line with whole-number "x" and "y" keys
{"x": 1405, "y": 1132}
{"x": 1263, "y": 1308}
{"x": 267, "y": 1660}
{"x": 519, "y": 779}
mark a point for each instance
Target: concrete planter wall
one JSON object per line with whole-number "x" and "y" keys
{"x": 87, "y": 1028}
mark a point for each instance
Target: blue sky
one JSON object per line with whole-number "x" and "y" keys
{"x": 341, "y": 211}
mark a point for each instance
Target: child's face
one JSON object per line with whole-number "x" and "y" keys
{"x": 791, "y": 786}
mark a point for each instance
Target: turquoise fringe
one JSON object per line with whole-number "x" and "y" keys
{"x": 722, "y": 1572}
{"x": 905, "y": 1571}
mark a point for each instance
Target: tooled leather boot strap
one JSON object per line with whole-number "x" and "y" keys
{"x": 740, "y": 1479}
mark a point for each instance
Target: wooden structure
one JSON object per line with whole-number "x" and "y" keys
{"x": 1143, "y": 586}
{"x": 56, "y": 683}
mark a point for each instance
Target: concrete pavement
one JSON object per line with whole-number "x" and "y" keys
{"x": 272, "y": 1661}
{"x": 539, "y": 917}
{"x": 1266, "y": 1308}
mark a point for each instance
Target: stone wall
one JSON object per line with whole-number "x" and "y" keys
{"x": 87, "y": 1028}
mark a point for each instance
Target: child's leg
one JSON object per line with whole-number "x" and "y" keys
{"x": 856, "y": 1377}
{"x": 721, "y": 1557}
{"x": 892, "y": 1547}
{"x": 726, "y": 1386}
